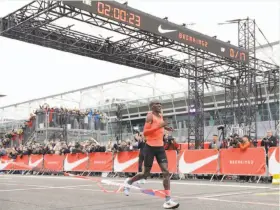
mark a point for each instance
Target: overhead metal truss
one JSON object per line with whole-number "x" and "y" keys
{"x": 34, "y": 23}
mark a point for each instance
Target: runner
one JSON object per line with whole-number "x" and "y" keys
{"x": 154, "y": 131}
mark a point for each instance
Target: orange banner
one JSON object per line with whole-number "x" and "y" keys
{"x": 232, "y": 162}
{"x": 249, "y": 162}
{"x": 6, "y": 163}
{"x": 172, "y": 162}
{"x": 36, "y": 161}
{"x": 198, "y": 161}
{"x": 274, "y": 160}
{"x": 101, "y": 162}
{"x": 21, "y": 163}
{"x": 76, "y": 162}
{"x": 126, "y": 162}
{"x": 53, "y": 162}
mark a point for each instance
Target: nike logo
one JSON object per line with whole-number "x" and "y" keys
{"x": 70, "y": 166}
{"x": 36, "y": 163}
{"x": 164, "y": 31}
{"x": 190, "y": 167}
{"x": 120, "y": 167}
{"x": 4, "y": 165}
{"x": 274, "y": 165}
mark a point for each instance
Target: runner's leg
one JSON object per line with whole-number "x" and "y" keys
{"x": 140, "y": 162}
{"x": 163, "y": 164}
{"x": 140, "y": 166}
{"x": 139, "y": 176}
{"x": 148, "y": 163}
{"x": 166, "y": 179}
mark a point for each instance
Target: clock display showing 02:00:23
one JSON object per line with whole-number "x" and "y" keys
{"x": 118, "y": 14}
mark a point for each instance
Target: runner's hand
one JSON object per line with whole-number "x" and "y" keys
{"x": 163, "y": 124}
{"x": 169, "y": 129}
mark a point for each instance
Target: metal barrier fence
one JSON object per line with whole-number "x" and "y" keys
{"x": 251, "y": 162}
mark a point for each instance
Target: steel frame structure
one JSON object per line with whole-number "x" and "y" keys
{"x": 33, "y": 23}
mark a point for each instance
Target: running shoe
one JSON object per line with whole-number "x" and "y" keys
{"x": 126, "y": 188}
{"x": 170, "y": 205}
{"x": 142, "y": 181}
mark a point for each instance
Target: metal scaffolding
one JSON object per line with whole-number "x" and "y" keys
{"x": 220, "y": 64}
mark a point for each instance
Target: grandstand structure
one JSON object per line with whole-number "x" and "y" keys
{"x": 218, "y": 83}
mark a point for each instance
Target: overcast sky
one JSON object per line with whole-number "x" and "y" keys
{"x": 29, "y": 71}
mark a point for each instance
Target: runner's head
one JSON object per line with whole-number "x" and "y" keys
{"x": 155, "y": 105}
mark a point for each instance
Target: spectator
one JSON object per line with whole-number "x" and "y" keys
{"x": 140, "y": 145}
{"x": 109, "y": 146}
{"x": 170, "y": 143}
{"x": 2, "y": 150}
{"x": 269, "y": 141}
{"x": 245, "y": 143}
{"x": 215, "y": 144}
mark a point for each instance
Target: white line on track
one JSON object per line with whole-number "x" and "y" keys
{"x": 156, "y": 182}
{"x": 32, "y": 185}
{"x": 44, "y": 188}
{"x": 227, "y": 194}
{"x": 243, "y": 202}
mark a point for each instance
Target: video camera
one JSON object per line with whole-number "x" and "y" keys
{"x": 234, "y": 140}
{"x": 170, "y": 139}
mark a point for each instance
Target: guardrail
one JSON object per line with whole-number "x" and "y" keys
{"x": 251, "y": 162}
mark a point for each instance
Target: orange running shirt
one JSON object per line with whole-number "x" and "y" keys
{"x": 156, "y": 138}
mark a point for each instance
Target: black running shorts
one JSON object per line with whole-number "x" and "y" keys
{"x": 151, "y": 152}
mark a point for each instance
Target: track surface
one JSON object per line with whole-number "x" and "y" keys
{"x": 50, "y": 192}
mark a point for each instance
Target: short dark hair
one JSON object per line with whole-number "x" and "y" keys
{"x": 246, "y": 136}
{"x": 215, "y": 135}
{"x": 154, "y": 101}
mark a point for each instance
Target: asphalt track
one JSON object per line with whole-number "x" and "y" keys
{"x": 51, "y": 192}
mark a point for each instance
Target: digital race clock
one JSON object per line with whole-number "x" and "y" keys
{"x": 118, "y": 14}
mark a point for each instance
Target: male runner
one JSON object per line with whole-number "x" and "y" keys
{"x": 154, "y": 131}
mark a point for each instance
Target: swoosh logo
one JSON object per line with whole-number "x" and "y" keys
{"x": 119, "y": 167}
{"x": 164, "y": 31}
{"x": 36, "y": 163}
{"x": 190, "y": 167}
{"x": 4, "y": 165}
{"x": 70, "y": 166}
{"x": 274, "y": 165}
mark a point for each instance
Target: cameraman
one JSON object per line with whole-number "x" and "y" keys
{"x": 170, "y": 143}
{"x": 234, "y": 140}
{"x": 244, "y": 143}
{"x": 269, "y": 141}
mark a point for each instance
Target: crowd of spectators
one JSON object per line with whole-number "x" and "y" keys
{"x": 53, "y": 146}
{"x": 15, "y": 135}
{"x": 46, "y": 116}
{"x": 243, "y": 142}
{"x": 77, "y": 119}
{"x": 59, "y": 146}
